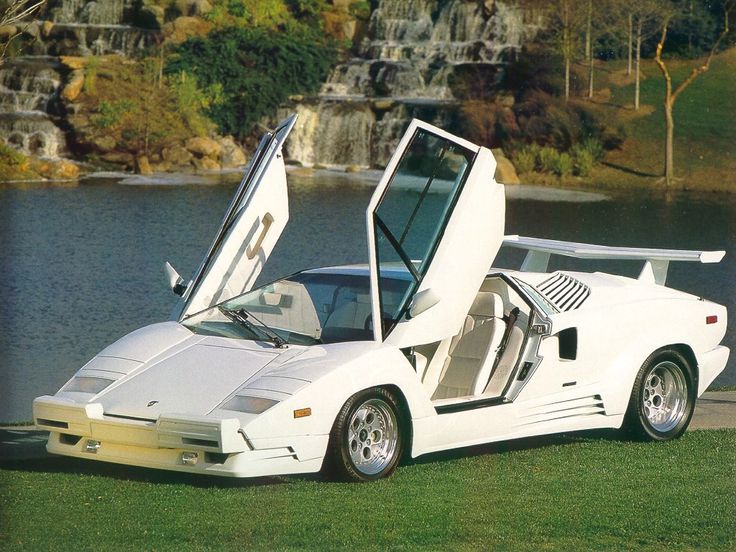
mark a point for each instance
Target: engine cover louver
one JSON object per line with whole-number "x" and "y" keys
{"x": 564, "y": 292}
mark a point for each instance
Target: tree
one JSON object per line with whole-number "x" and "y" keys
{"x": 15, "y": 15}
{"x": 671, "y": 94}
{"x": 644, "y": 18}
{"x": 567, "y": 19}
{"x": 600, "y": 21}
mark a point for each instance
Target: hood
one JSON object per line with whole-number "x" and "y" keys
{"x": 178, "y": 371}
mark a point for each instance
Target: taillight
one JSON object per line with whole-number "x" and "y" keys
{"x": 712, "y": 319}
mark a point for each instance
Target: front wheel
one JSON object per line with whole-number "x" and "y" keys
{"x": 367, "y": 440}
{"x": 663, "y": 398}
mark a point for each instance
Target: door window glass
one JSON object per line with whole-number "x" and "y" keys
{"x": 413, "y": 212}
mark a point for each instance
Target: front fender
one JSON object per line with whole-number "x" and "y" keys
{"x": 380, "y": 365}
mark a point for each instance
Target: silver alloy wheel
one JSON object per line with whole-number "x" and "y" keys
{"x": 373, "y": 435}
{"x": 665, "y": 396}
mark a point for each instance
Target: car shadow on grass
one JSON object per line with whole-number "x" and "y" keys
{"x": 65, "y": 465}
{"x": 33, "y": 458}
{"x": 526, "y": 443}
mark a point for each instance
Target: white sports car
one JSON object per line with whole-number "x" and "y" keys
{"x": 348, "y": 369}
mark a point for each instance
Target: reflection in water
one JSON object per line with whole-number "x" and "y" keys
{"x": 82, "y": 266}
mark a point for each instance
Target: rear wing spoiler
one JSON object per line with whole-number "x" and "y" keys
{"x": 656, "y": 261}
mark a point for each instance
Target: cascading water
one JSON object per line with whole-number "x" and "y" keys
{"x": 403, "y": 69}
{"x": 30, "y": 85}
{"x": 83, "y": 27}
{"x": 28, "y": 93}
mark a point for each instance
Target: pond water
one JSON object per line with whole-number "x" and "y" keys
{"x": 81, "y": 265}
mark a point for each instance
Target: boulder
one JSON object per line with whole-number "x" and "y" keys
{"x": 231, "y": 155}
{"x": 203, "y": 147}
{"x": 353, "y": 169}
{"x": 164, "y": 166}
{"x": 205, "y": 164}
{"x": 65, "y": 169}
{"x": 74, "y": 62}
{"x": 200, "y": 7}
{"x": 104, "y": 144}
{"x": 32, "y": 29}
{"x": 74, "y": 86}
{"x": 505, "y": 170}
{"x": 383, "y": 105}
{"x": 46, "y": 28}
{"x": 176, "y": 155}
{"x": 119, "y": 158}
{"x": 6, "y": 31}
{"x": 142, "y": 166}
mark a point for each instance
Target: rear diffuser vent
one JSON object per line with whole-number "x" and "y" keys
{"x": 564, "y": 292}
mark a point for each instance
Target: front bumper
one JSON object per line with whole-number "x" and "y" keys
{"x": 172, "y": 442}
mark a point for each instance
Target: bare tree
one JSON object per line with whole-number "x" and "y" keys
{"x": 601, "y": 21}
{"x": 630, "y": 42}
{"x": 567, "y": 19}
{"x": 18, "y": 14}
{"x": 671, "y": 95}
{"x": 646, "y": 16}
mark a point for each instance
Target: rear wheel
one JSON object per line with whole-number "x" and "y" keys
{"x": 663, "y": 398}
{"x": 367, "y": 440}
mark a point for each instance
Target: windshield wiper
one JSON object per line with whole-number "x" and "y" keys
{"x": 241, "y": 317}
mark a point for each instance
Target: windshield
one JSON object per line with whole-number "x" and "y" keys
{"x": 306, "y": 308}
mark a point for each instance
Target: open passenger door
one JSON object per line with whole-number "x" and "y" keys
{"x": 253, "y": 223}
{"x": 437, "y": 213}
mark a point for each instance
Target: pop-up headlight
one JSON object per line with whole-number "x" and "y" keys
{"x": 87, "y": 384}
{"x": 249, "y": 405}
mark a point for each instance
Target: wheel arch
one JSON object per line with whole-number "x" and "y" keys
{"x": 622, "y": 373}
{"x": 406, "y": 407}
{"x": 687, "y": 352}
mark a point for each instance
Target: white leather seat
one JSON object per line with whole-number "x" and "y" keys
{"x": 508, "y": 359}
{"x": 473, "y": 351}
{"x": 348, "y": 321}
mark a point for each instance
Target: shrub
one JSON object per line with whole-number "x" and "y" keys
{"x": 110, "y": 113}
{"x": 525, "y": 160}
{"x": 258, "y": 69}
{"x": 10, "y": 156}
{"x": 563, "y": 165}
{"x": 547, "y": 159}
{"x": 582, "y": 160}
{"x": 550, "y": 121}
{"x": 594, "y": 147}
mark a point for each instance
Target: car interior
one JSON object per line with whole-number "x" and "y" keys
{"x": 481, "y": 358}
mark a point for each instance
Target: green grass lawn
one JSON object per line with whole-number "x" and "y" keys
{"x": 705, "y": 123}
{"x": 560, "y": 493}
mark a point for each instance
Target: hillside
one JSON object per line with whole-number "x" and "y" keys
{"x": 705, "y": 127}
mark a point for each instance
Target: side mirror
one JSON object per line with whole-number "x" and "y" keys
{"x": 175, "y": 282}
{"x": 423, "y": 301}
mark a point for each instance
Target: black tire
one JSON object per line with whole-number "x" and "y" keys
{"x": 663, "y": 398}
{"x": 368, "y": 437}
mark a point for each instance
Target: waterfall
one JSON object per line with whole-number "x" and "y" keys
{"x": 29, "y": 85}
{"x": 403, "y": 68}
{"x": 28, "y": 95}
{"x": 84, "y": 27}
